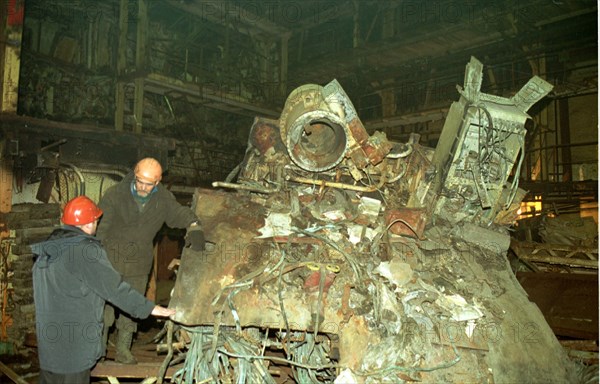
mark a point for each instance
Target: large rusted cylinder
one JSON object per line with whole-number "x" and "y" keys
{"x": 314, "y": 133}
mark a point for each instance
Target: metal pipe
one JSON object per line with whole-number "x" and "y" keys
{"x": 305, "y": 180}
{"x": 399, "y": 155}
{"x": 47, "y": 147}
{"x": 113, "y": 172}
{"x": 399, "y": 175}
{"x": 586, "y": 144}
{"x": 243, "y": 187}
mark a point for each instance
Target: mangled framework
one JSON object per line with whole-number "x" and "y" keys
{"x": 348, "y": 258}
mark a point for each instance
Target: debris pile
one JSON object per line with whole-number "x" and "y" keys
{"x": 347, "y": 258}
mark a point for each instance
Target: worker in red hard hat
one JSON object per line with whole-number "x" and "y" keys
{"x": 134, "y": 211}
{"x": 81, "y": 211}
{"x": 72, "y": 279}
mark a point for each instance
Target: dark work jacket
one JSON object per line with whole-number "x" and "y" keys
{"x": 127, "y": 233}
{"x": 72, "y": 279}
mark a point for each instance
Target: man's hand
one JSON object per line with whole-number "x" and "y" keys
{"x": 162, "y": 311}
{"x": 195, "y": 238}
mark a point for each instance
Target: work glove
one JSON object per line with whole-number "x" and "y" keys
{"x": 195, "y": 238}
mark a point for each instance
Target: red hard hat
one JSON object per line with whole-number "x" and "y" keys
{"x": 80, "y": 210}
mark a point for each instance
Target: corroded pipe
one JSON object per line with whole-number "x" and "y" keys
{"x": 313, "y": 131}
{"x": 333, "y": 184}
{"x": 243, "y": 187}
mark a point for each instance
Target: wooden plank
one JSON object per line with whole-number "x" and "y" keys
{"x": 12, "y": 374}
{"x": 33, "y": 235}
{"x": 6, "y": 179}
{"x": 35, "y": 211}
{"x": 10, "y": 67}
{"x": 560, "y": 260}
{"x": 139, "y": 370}
{"x": 580, "y": 345}
{"x": 37, "y": 223}
{"x": 554, "y": 247}
{"x": 584, "y": 356}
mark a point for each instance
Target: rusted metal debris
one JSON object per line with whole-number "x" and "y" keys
{"x": 349, "y": 258}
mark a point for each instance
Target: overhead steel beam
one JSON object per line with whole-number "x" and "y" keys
{"x": 218, "y": 99}
{"x": 230, "y": 15}
{"x": 419, "y": 117}
{"x": 325, "y": 12}
{"x": 99, "y": 145}
{"x": 432, "y": 44}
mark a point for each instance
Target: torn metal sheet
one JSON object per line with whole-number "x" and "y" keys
{"x": 339, "y": 255}
{"x": 482, "y": 141}
{"x": 395, "y": 271}
{"x": 406, "y": 221}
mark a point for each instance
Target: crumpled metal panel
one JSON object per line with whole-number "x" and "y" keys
{"x": 482, "y": 140}
{"x": 231, "y": 223}
{"x": 406, "y": 221}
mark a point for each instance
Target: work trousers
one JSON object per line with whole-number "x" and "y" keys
{"x": 47, "y": 377}
{"x": 123, "y": 321}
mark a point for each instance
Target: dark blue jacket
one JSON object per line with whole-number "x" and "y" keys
{"x": 72, "y": 278}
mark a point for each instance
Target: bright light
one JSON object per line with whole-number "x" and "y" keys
{"x": 530, "y": 208}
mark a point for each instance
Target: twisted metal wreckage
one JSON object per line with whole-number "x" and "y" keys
{"x": 343, "y": 257}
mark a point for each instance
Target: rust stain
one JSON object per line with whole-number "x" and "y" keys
{"x": 406, "y": 221}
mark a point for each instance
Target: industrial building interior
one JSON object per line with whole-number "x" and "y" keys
{"x": 208, "y": 88}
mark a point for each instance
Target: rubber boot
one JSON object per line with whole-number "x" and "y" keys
{"x": 124, "y": 355}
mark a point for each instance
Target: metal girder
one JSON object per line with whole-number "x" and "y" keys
{"x": 556, "y": 254}
{"x": 429, "y": 45}
{"x": 231, "y": 16}
{"x": 418, "y": 117}
{"x": 101, "y": 146}
{"x": 557, "y": 191}
{"x": 218, "y": 99}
